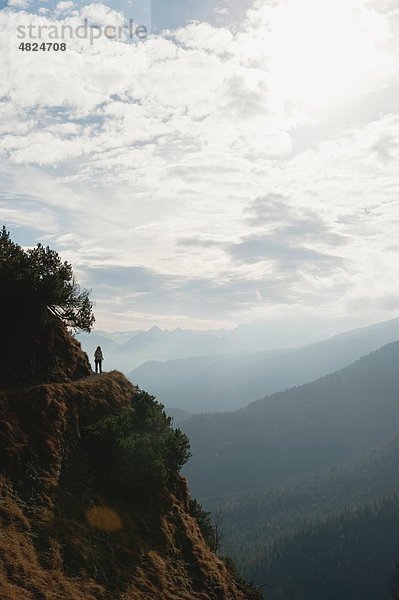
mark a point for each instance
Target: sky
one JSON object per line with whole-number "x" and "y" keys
{"x": 238, "y": 164}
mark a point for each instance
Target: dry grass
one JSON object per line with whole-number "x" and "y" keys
{"x": 22, "y": 576}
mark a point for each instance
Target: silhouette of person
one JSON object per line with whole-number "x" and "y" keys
{"x": 98, "y": 359}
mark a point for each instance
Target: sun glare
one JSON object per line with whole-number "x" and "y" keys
{"x": 321, "y": 51}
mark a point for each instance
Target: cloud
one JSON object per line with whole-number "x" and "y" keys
{"x": 197, "y": 242}
{"x": 64, "y": 6}
{"x": 203, "y": 36}
{"x": 135, "y": 279}
{"x": 386, "y": 148}
{"x": 258, "y": 248}
{"x": 19, "y": 3}
{"x": 23, "y": 213}
{"x": 147, "y": 291}
{"x": 384, "y": 6}
{"x": 41, "y": 148}
{"x": 270, "y": 208}
{"x": 186, "y": 180}
{"x": 275, "y": 213}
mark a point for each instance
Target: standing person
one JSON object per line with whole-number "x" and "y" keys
{"x": 98, "y": 359}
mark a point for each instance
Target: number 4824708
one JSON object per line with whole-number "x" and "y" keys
{"x": 43, "y": 47}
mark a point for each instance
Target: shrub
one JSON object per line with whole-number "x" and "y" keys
{"x": 137, "y": 450}
{"x": 203, "y": 519}
{"x": 251, "y": 591}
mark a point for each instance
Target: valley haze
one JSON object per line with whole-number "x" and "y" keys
{"x": 213, "y": 371}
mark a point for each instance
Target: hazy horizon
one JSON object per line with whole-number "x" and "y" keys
{"x": 300, "y": 336}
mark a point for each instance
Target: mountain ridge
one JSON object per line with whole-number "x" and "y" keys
{"x": 228, "y": 383}
{"x": 302, "y": 429}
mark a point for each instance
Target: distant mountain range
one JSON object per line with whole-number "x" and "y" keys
{"x": 298, "y": 431}
{"x": 210, "y": 371}
{"x": 214, "y": 383}
{"x": 125, "y": 352}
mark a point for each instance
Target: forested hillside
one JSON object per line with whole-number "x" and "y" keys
{"x": 347, "y": 557}
{"x": 298, "y": 431}
{"x": 254, "y": 520}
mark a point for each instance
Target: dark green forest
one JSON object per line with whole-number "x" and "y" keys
{"x": 312, "y": 472}
{"x": 350, "y": 557}
{"x": 262, "y": 528}
{"x": 256, "y": 518}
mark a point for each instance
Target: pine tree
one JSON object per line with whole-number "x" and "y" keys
{"x": 36, "y": 284}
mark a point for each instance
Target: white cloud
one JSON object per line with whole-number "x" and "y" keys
{"x": 202, "y": 36}
{"x": 40, "y": 148}
{"x": 99, "y": 14}
{"x": 19, "y": 3}
{"x": 140, "y": 146}
{"x": 64, "y": 6}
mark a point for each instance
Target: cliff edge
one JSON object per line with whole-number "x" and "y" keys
{"x": 82, "y": 514}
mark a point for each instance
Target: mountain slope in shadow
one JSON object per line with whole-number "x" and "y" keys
{"x": 303, "y": 429}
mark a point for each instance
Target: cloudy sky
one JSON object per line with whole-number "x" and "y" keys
{"x": 241, "y": 163}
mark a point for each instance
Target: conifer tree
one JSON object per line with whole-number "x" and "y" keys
{"x": 36, "y": 284}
